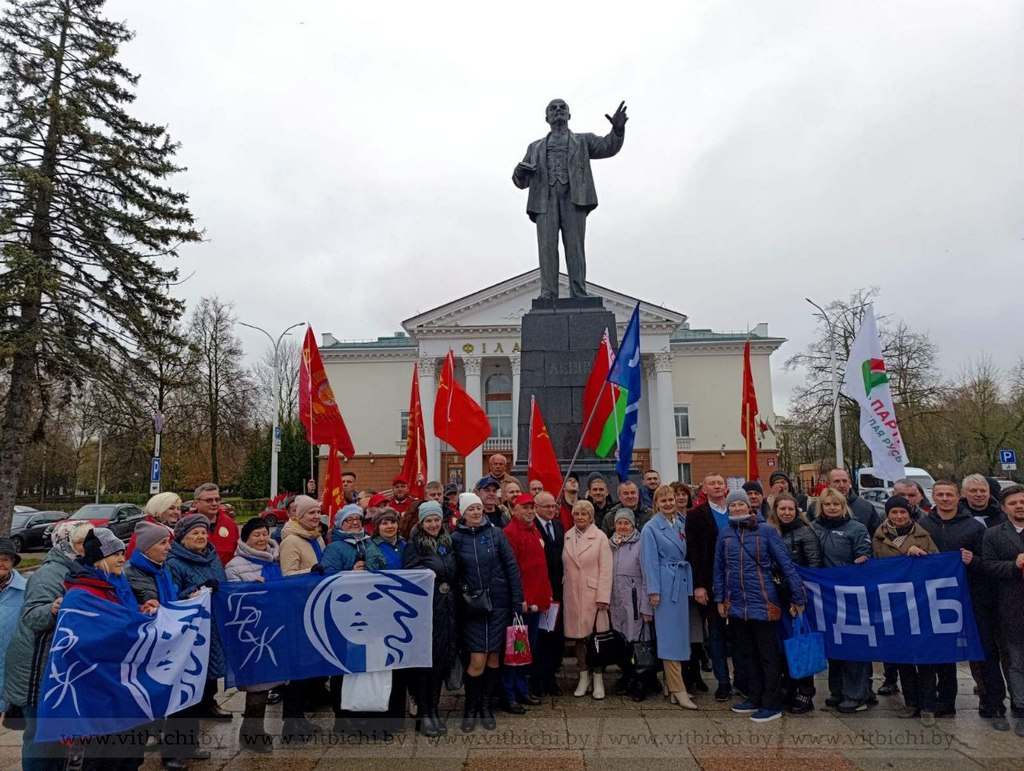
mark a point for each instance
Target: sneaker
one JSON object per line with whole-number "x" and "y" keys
{"x": 833, "y": 701}
{"x": 764, "y": 715}
{"x": 888, "y": 688}
{"x": 849, "y": 706}
{"x": 927, "y": 719}
{"x": 723, "y": 693}
{"x": 908, "y": 713}
{"x": 1000, "y": 723}
{"x": 745, "y": 708}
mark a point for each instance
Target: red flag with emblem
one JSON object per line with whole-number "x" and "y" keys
{"x": 748, "y": 418}
{"x": 318, "y": 411}
{"x": 458, "y": 419}
{"x": 415, "y": 466}
{"x": 543, "y": 463}
{"x": 334, "y": 498}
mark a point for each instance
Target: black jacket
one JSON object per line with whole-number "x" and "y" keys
{"x": 803, "y": 544}
{"x": 860, "y": 508}
{"x": 424, "y": 552}
{"x": 553, "y": 554}
{"x": 999, "y": 551}
{"x": 484, "y": 560}
{"x": 701, "y": 534}
{"x": 963, "y": 531}
{"x": 992, "y": 514}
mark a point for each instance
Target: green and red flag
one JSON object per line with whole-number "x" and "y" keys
{"x": 606, "y": 401}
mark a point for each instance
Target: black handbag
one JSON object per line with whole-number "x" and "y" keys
{"x": 605, "y": 649}
{"x": 642, "y": 651}
{"x": 478, "y": 602}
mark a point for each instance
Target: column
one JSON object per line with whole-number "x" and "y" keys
{"x": 667, "y": 459}
{"x": 428, "y": 393}
{"x": 651, "y": 398}
{"x": 515, "y": 361}
{"x": 475, "y": 461}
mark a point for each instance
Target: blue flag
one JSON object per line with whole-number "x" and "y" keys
{"x": 908, "y": 610}
{"x": 625, "y": 373}
{"x": 311, "y": 625}
{"x": 112, "y": 668}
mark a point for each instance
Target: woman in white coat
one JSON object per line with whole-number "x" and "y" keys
{"x": 669, "y": 583}
{"x": 586, "y": 589}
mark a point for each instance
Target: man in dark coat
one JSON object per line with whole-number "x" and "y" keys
{"x": 860, "y": 508}
{"x": 556, "y": 169}
{"x": 550, "y": 645}
{"x": 1002, "y": 553}
{"x": 629, "y": 498}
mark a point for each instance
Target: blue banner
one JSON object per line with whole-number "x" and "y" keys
{"x": 311, "y": 625}
{"x": 904, "y": 610}
{"x": 111, "y": 668}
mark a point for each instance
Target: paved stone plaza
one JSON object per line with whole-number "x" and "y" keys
{"x": 570, "y": 733}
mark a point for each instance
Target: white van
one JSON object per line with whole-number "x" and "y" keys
{"x": 866, "y": 480}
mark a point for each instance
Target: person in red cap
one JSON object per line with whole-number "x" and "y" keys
{"x": 528, "y": 548}
{"x": 400, "y": 498}
{"x": 377, "y": 502}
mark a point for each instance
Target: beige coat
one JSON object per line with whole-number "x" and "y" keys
{"x": 297, "y": 552}
{"x": 587, "y": 560}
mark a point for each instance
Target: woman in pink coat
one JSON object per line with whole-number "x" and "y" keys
{"x": 586, "y": 589}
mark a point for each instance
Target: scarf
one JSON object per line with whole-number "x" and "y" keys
{"x": 61, "y": 537}
{"x": 120, "y": 584}
{"x": 618, "y": 539}
{"x": 897, "y": 535}
{"x": 165, "y": 590}
{"x": 270, "y": 568}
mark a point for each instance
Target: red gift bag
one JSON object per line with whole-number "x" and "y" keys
{"x": 517, "y": 644}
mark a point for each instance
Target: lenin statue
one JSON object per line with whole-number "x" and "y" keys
{"x": 556, "y": 169}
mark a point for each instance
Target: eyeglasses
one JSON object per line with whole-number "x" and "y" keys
{"x": 210, "y": 500}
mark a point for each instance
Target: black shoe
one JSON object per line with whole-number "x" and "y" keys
{"x": 622, "y": 685}
{"x": 198, "y": 754}
{"x": 833, "y": 701}
{"x": 256, "y": 742}
{"x": 872, "y": 700}
{"x": 513, "y": 708}
{"x": 441, "y": 724}
{"x": 989, "y": 714}
{"x": 553, "y": 688}
{"x": 801, "y": 705}
{"x": 699, "y": 685}
{"x": 273, "y": 697}
{"x": 531, "y": 700}
{"x": 214, "y": 712}
{"x": 888, "y": 688}
{"x": 298, "y": 729}
{"x": 428, "y": 727}
{"x": 1000, "y": 723}
{"x": 723, "y": 693}
{"x": 849, "y": 706}
{"x": 175, "y": 763}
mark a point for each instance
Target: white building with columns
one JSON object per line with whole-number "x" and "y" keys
{"x": 689, "y": 412}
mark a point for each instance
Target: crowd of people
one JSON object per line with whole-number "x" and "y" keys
{"x": 703, "y": 576}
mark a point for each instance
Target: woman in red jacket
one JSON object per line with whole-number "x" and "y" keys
{"x": 528, "y": 548}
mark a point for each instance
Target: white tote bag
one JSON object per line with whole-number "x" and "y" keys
{"x": 366, "y": 691}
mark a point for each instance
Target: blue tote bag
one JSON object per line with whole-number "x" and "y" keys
{"x": 805, "y": 650}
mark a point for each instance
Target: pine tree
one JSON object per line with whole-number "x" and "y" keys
{"x": 87, "y": 219}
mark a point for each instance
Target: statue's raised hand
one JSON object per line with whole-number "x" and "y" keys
{"x": 618, "y": 120}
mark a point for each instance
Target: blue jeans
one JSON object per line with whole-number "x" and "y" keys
{"x": 39, "y": 756}
{"x": 513, "y": 679}
{"x": 849, "y": 679}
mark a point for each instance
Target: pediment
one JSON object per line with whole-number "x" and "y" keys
{"x": 498, "y": 309}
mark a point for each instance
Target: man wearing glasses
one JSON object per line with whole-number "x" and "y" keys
{"x": 223, "y": 530}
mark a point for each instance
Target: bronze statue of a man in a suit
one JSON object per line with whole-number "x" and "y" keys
{"x": 556, "y": 169}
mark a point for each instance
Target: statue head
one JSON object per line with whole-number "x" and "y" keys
{"x": 557, "y": 110}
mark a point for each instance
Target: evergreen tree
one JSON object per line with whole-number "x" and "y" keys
{"x": 87, "y": 219}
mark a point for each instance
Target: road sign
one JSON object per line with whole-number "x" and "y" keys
{"x": 1009, "y": 467}
{"x": 1007, "y": 456}
{"x": 154, "y": 471}
{"x": 154, "y": 488}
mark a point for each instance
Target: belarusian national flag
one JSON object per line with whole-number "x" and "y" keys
{"x": 606, "y": 402}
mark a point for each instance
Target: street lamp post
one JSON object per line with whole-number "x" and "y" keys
{"x": 275, "y": 439}
{"x": 835, "y": 382}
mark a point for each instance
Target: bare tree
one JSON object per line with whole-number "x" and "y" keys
{"x": 289, "y": 356}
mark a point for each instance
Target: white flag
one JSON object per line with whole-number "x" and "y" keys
{"x": 868, "y": 383}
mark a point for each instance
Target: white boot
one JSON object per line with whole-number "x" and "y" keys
{"x": 583, "y": 685}
{"x": 598, "y": 685}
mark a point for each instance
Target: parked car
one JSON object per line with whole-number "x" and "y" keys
{"x": 27, "y": 527}
{"x": 866, "y": 480}
{"x": 877, "y": 498}
{"x": 19, "y": 509}
{"x": 121, "y": 518}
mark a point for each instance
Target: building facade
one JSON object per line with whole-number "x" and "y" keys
{"x": 689, "y": 420}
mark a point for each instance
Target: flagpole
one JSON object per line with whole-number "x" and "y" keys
{"x": 309, "y": 378}
{"x": 615, "y": 399}
{"x": 583, "y": 434}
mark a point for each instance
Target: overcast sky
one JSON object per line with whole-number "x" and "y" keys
{"x": 350, "y": 163}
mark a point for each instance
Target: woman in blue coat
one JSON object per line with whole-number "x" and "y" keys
{"x": 12, "y": 597}
{"x": 351, "y": 548}
{"x": 669, "y": 585}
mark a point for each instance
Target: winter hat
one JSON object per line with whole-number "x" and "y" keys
{"x": 149, "y": 534}
{"x": 627, "y": 515}
{"x": 251, "y": 527}
{"x": 776, "y": 476}
{"x": 896, "y": 501}
{"x": 384, "y": 515}
{"x": 468, "y": 499}
{"x": 101, "y": 543}
{"x": 303, "y": 504}
{"x": 753, "y": 487}
{"x": 189, "y": 523}
{"x": 737, "y": 495}
{"x": 7, "y": 547}
{"x": 429, "y": 508}
{"x": 350, "y": 510}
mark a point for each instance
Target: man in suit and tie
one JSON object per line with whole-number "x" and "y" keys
{"x": 556, "y": 169}
{"x": 550, "y": 645}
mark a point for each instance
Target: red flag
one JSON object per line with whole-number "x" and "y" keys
{"x": 415, "y": 466}
{"x": 543, "y": 463}
{"x": 458, "y": 419}
{"x": 334, "y": 498}
{"x": 318, "y": 411}
{"x": 598, "y": 389}
{"x": 748, "y": 417}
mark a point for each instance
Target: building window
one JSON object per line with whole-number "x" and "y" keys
{"x": 498, "y": 405}
{"x": 682, "y": 417}
{"x": 685, "y": 473}
{"x": 404, "y": 430}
